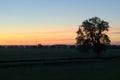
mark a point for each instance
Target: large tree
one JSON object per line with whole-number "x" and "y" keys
{"x": 92, "y": 35}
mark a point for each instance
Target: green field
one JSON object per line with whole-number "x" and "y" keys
{"x": 107, "y": 70}
{"x": 84, "y": 70}
{"x": 48, "y": 53}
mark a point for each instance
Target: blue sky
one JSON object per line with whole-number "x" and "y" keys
{"x": 58, "y": 11}
{"x": 30, "y": 16}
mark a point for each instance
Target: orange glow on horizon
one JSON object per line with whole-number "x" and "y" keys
{"x": 66, "y": 36}
{"x": 114, "y": 34}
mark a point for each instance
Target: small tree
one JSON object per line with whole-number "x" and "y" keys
{"x": 92, "y": 35}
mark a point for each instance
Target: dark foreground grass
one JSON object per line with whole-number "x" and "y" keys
{"x": 49, "y": 53}
{"x": 96, "y": 70}
{"x": 83, "y": 70}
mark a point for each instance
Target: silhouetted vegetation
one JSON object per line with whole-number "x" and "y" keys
{"x": 92, "y": 35}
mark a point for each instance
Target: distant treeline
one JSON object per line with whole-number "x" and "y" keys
{"x": 38, "y": 46}
{"x": 50, "y": 46}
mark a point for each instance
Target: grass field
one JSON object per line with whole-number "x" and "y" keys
{"x": 84, "y": 70}
{"x": 107, "y": 70}
{"x": 48, "y": 53}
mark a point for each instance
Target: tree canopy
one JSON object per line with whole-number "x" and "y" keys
{"x": 92, "y": 35}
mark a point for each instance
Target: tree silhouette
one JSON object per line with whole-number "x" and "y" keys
{"x": 92, "y": 35}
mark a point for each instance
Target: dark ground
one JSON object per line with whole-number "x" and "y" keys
{"x": 82, "y": 70}
{"x": 96, "y": 70}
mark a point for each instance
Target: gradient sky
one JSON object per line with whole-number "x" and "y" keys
{"x": 27, "y": 22}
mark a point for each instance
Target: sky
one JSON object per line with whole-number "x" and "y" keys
{"x": 47, "y": 22}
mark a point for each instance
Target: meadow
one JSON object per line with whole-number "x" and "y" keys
{"x": 49, "y": 53}
{"x": 81, "y": 70}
